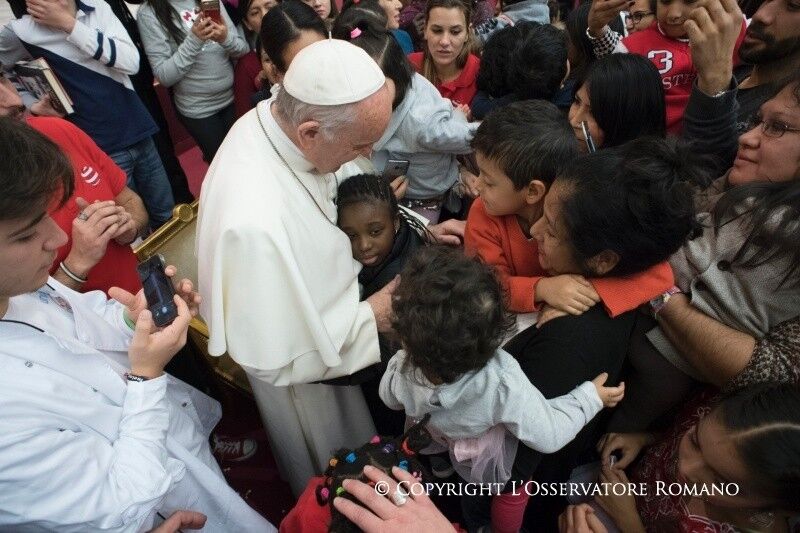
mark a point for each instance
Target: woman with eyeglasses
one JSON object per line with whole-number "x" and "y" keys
{"x": 736, "y": 279}
{"x": 640, "y": 15}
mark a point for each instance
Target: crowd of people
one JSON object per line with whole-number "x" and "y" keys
{"x": 509, "y": 245}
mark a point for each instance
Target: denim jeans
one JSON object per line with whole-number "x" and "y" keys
{"x": 147, "y": 178}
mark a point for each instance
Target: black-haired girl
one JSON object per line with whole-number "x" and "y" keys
{"x": 382, "y": 235}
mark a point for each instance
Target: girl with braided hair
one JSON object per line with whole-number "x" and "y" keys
{"x": 747, "y": 442}
{"x": 382, "y": 235}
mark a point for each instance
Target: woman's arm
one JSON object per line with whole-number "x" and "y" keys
{"x": 717, "y": 351}
{"x": 167, "y": 66}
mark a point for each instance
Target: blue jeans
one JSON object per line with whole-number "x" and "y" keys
{"x": 147, "y": 178}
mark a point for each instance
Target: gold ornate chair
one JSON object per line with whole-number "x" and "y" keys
{"x": 175, "y": 241}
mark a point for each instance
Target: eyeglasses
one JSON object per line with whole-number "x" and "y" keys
{"x": 770, "y": 128}
{"x": 636, "y": 18}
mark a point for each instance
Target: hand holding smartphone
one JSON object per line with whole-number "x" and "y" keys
{"x": 158, "y": 290}
{"x": 395, "y": 168}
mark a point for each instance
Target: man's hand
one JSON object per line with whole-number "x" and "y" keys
{"x": 181, "y": 520}
{"x": 713, "y": 27}
{"x": 381, "y": 303}
{"x": 137, "y": 303}
{"x": 44, "y": 108}
{"x": 151, "y": 349}
{"x": 90, "y": 236}
{"x": 603, "y": 12}
{"x": 450, "y": 232}
{"x": 380, "y": 515}
{"x": 53, "y": 13}
{"x": 128, "y": 230}
{"x": 580, "y": 519}
{"x": 570, "y": 293}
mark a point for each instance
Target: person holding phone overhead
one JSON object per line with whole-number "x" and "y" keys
{"x": 190, "y": 48}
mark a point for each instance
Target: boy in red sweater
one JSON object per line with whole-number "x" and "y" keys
{"x": 520, "y": 150}
{"x": 665, "y": 43}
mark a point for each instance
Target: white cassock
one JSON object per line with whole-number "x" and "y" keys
{"x": 280, "y": 294}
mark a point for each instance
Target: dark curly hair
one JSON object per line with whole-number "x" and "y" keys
{"x": 538, "y": 62}
{"x": 635, "y": 200}
{"x": 493, "y": 72}
{"x": 449, "y": 313}
{"x": 374, "y": 189}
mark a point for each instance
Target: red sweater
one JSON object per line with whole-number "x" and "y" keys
{"x": 246, "y": 82}
{"x": 97, "y": 177}
{"x": 460, "y": 90}
{"x": 500, "y": 242}
{"x": 673, "y": 59}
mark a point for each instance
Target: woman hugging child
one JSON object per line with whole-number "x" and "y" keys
{"x": 450, "y": 318}
{"x": 381, "y": 234}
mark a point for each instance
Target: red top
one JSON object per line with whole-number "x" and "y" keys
{"x": 673, "y": 59}
{"x": 500, "y": 242}
{"x": 97, "y": 177}
{"x": 246, "y": 82}
{"x": 462, "y": 89}
{"x": 659, "y": 510}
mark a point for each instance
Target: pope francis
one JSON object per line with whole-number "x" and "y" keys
{"x": 278, "y": 279}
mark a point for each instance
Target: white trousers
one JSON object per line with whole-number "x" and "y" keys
{"x": 307, "y": 423}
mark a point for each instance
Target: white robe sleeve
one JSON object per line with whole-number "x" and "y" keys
{"x": 260, "y": 310}
{"x": 83, "y": 482}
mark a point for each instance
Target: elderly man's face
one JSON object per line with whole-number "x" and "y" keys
{"x": 10, "y": 102}
{"x": 356, "y": 139}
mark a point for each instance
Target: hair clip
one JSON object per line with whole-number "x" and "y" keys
{"x": 355, "y": 33}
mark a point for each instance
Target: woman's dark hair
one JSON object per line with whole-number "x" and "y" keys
{"x": 527, "y": 140}
{"x": 449, "y": 313}
{"x": 764, "y": 423}
{"x": 251, "y": 36}
{"x": 635, "y": 200}
{"x": 583, "y": 54}
{"x": 428, "y": 68}
{"x": 282, "y": 25}
{"x": 495, "y": 63}
{"x": 538, "y": 62}
{"x": 772, "y": 214}
{"x": 169, "y": 19}
{"x": 627, "y": 98}
{"x": 381, "y": 452}
{"x": 373, "y": 188}
{"x": 381, "y": 46}
{"x": 369, "y": 9}
{"x": 33, "y": 171}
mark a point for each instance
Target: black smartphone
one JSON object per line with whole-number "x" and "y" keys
{"x": 158, "y": 290}
{"x": 395, "y": 168}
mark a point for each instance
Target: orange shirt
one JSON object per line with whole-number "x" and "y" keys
{"x": 500, "y": 242}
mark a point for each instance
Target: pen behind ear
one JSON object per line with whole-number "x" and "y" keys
{"x": 590, "y": 147}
